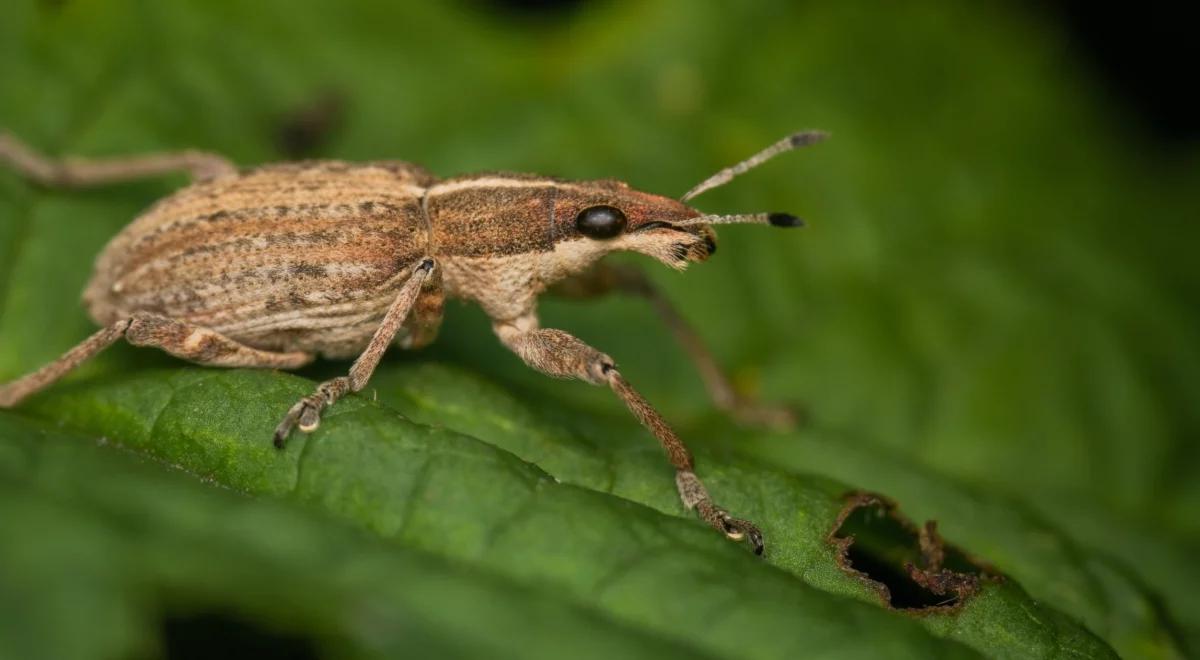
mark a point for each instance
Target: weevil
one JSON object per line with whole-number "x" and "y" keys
{"x": 273, "y": 266}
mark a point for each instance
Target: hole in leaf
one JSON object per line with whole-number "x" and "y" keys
{"x": 215, "y": 634}
{"x": 911, "y": 568}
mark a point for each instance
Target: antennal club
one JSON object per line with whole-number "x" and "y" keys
{"x": 802, "y": 139}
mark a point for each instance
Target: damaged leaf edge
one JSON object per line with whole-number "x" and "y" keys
{"x": 932, "y": 576}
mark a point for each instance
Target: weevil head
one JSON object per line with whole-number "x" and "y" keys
{"x": 594, "y": 218}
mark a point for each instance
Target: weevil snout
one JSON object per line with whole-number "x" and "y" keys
{"x": 676, "y": 243}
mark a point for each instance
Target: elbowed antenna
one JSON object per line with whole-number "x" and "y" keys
{"x": 802, "y": 139}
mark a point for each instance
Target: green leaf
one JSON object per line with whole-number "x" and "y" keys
{"x": 164, "y": 552}
{"x": 1091, "y": 587}
{"x": 991, "y": 318}
{"x": 451, "y": 494}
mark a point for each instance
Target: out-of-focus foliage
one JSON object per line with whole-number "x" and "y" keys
{"x": 990, "y": 318}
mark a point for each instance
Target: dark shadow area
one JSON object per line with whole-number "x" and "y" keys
{"x": 540, "y": 8}
{"x": 1144, "y": 56}
{"x": 215, "y": 634}
{"x": 306, "y": 130}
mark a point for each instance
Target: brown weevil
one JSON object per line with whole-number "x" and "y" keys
{"x": 273, "y": 266}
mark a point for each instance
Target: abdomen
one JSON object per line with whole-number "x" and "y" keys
{"x": 302, "y": 256}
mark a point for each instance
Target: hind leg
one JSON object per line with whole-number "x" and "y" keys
{"x": 78, "y": 172}
{"x": 13, "y": 393}
{"x": 184, "y": 340}
{"x": 203, "y": 346}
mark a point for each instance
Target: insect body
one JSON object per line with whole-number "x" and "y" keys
{"x": 297, "y": 259}
{"x": 276, "y": 265}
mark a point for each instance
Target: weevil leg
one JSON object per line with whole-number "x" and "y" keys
{"x": 204, "y": 346}
{"x": 180, "y": 339}
{"x": 604, "y": 278}
{"x": 425, "y": 320}
{"x": 16, "y": 391}
{"x": 561, "y": 355}
{"x": 78, "y": 172}
{"x": 306, "y": 414}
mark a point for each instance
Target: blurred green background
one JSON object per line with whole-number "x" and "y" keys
{"x": 991, "y": 318}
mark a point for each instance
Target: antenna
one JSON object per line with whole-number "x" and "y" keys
{"x": 774, "y": 219}
{"x": 802, "y": 139}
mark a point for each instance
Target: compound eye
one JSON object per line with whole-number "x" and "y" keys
{"x": 601, "y": 222}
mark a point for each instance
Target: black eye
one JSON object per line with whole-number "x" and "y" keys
{"x": 600, "y": 222}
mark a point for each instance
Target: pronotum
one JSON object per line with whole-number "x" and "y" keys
{"x": 273, "y": 266}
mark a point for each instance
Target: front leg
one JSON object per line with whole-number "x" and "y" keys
{"x": 561, "y": 355}
{"x": 604, "y": 278}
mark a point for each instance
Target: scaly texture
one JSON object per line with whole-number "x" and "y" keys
{"x": 295, "y": 257}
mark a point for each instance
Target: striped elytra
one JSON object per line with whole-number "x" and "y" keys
{"x": 295, "y": 257}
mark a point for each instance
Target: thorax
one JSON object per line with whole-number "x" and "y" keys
{"x": 497, "y": 238}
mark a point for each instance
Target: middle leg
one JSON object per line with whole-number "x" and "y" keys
{"x": 306, "y": 414}
{"x": 561, "y": 355}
